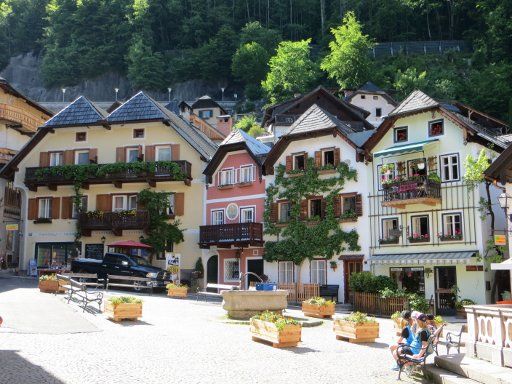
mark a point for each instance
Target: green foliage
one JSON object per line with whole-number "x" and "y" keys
{"x": 320, "y": 301}
{"x": 265, "y": 37}
{"x": 360, "y": 318}
{"x": 475, "y": 169}
{"x": 299, "y": 239}
{"x": 418, "y": 303}
{"x": 51, "y": 277}
{"x": 199, "y": 266}
{"x": 250, "y": 63}
{"x": 389, "y": 292}
{"x": 146, "y": 69}
{"x": 161, "y": 232}
{"x": 176, "y": 285}
{"x": 459, "y": 304}
{"x": 368, "y": 282}
{"x": 409, "y": 80}
{"x": 249, "y": 124}
{"x": 396, "y": 315}
{"x": 116, "y": 300}
{"x": 291, "y": 71}
{"x": 272, "y": 317}
{"x": 348, "y": 61}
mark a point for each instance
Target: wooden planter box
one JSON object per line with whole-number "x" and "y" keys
{"x": 356, "y": 333}
{"x": 49, "y": 286}
{"x": 461, "y": 314}
{"x": 177, "y": 292}
{"x": 290, "y": 336}
{"x": 123, "y": 311}
{"x": 320, "y": 311}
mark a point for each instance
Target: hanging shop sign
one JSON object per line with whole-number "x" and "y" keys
{"x": 500, "y": 240}
{"x": 12, "y": 227}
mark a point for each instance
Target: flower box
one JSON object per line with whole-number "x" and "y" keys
{"x": 287, "y": 336}
{"x": 123, "y": 311}
{"x": 49, "y": 286}
{"x": 316, "y": 310}
{"x": 393, "y": 240}
{"x": 177, "y": 292}
{"x": 356, "y": 332}
{"x": 450, "y": 238}
{"x": 419, "y": 239}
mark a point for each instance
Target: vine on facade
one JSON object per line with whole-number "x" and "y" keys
{"x": 301, "y": 238}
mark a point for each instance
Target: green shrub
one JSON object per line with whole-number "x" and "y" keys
{"x": 52, "y": 277}
{"x": 273, "y": 317}
{"x": 320, "y": 301}
{"x": 367, "y": 282}
{"x": 396, "y": 315}
{"x": 360, "y": 318}
{"x": 116, "y": 300}
{"x": 461, "y": 303}
{"x": 388, "y": 292}
{"x": 418, "y": 303}
{"x": 173, "y": 286}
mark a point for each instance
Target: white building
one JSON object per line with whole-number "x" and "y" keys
{"x": 374, "y": 100}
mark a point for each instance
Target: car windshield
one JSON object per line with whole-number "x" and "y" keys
{"x": 140, "y": 260}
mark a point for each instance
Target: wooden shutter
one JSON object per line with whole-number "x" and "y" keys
{"x": 359, "y": 205}
{"x": 274, "y": 212}
{"x": 305, "y": 160}
{"x": 289, "y": 163}
{"x": 32, "y": 209}
{"x": 56, "y": 208}
{"x": 337, "y": 205}
{"x": 93, "y": 155}
{"x": 69, "y": 157}
{"x": 304, "y": 209}
{"x": 318, "y": 158}
{"x": 179, "y": 204}
{"x": 67, "y": 207}
{"x": 150, "y": 153}
{"x": 175, "y": 152}
{"x": 44, "y": 159}
{"x": 337, "y": 157}
{"x": 104, "y": 203}
{"x": 120, "y": 155}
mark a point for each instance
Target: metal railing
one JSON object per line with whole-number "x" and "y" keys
{"x": 414, "y": 188}
{"x": 225, "y": 234}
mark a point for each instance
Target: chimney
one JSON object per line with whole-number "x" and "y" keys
{"x": 224, "y": 124}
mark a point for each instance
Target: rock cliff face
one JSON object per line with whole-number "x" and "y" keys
{"x": 24, "y": 73}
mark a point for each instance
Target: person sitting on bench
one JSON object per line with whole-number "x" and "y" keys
{"x": 418, "y": 346}
{"x": 406, "y": 336}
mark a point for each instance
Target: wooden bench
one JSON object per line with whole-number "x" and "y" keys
{"x": 330, "y": 290}
{"x": 88, "y": 279}
{"x": 134, "y": 282}
{"x": 75, "y": 288}
{"x": 207, "y": 294}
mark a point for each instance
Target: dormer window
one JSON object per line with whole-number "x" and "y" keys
{"x": 299, "y": 162}
{"x": 400, "y": 134}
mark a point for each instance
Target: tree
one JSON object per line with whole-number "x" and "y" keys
{"x": 214, "y": 58}
{"x": 266, "y": 37}
{"x": 145, "y": 68}
{"x": 291, "y": 71}
{"x": 250, "y": 63}
{"x": 349, "y": 62}
{"x": 409, "y": 80}
{"x": 249, "y": 124}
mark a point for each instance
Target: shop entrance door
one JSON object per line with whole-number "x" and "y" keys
{"x": 212, "y": 270}
{"x": 445, "y": 279}
{"x": 350, "y": 267}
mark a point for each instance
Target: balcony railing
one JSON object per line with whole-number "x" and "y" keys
{"x": 42, "y": 176}
{"x": 226, "y": 235}
{"x": 113, "y": 221}
{"x": 418, "y": 190}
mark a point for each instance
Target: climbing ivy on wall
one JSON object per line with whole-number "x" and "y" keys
{"x": 305, "y": 238}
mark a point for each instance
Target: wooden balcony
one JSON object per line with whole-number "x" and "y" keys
{"x": 419, "y": 190}
{"x": 38, "y": 177}
{"x": 227, "y": 235}
{"x": 113, "y": 221}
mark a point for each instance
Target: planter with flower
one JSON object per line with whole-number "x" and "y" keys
{"x": 276, "y": 329}
{"x": 419, "y": 238}
{"x": 318, "y": 307}
{"x": 123, "y": 308}
{"x": 48, "y": 284}
{"x": 507, "y": 298}
{"x": 356, "y": 328}
{"x": 389, "y": 240}
{"x": 177, "y": 290}
{"x": 459, "y": 306}
{"x": 450, "y": 237}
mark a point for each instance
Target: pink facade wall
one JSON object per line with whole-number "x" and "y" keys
{"x": 230, "y": 254}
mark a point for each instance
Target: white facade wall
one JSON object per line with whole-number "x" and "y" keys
{"x": 370, "y": 103}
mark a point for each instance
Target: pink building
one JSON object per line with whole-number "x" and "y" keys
{"x": 232, "y": 238}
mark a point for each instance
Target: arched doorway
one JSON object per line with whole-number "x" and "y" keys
{"x": 212, "y": 269}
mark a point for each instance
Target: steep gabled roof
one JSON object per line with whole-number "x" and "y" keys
{"x": 139, "y": 107}
{"x": 207, "y": 102}
{"x": 370, "y": 88}
{"x": 317, "y": 119}
{"x": 173, "y": 106}
{"x": 80, "y": 112}
{"x": 417, "y": 101}
{"x": 237, "y": 140}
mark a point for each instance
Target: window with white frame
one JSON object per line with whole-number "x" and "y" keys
{"x": 420, "y": 228}
{"x": 400, "y": 134}
{"x": 132, "y": 155}
{"x": 450, "y": 167}
{"x": 319, "y": 272}
{"x": 286, "y": 272}
{"x": 82, "y": 157}
{"x": 132, "y": 202}
{"x": 386, "y": 176}
{"x": 82, "y": 207}
{"x": 56, "y": 158}
{"x": 170, "y": 201}
{"x": 218, "y": 217}
{"x": 452, "y": 226}
{"x": 299, "y": 162}
{"x": 247, "y": 215}
{"x": 284, "y": 212}
{"x": 118, "y": 203}
{"x": 45, "y": 208}
{"x": 390, "y": 231}
{"x": 163, "y": 153}
{"x": 231, "y": 270}
{"x": 246, "y": 174}
{"x": 206, "y": 114}
{"x": 227, "y": 177}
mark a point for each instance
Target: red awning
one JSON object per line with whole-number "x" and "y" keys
{"x": 129, "y": 244}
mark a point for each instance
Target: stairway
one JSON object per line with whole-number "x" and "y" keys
{"x": 458, "y": 369}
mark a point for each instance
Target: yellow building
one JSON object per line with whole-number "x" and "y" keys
{"x": 140, "y": 132}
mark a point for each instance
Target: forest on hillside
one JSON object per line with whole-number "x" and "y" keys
{"x": 158, "y": 42}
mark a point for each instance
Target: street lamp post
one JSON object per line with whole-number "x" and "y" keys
{"x": 222, "y": 89}
{"x": 169, "y": 90}
{"x": 63, "y": 94}
{"x": 117, "y": 91}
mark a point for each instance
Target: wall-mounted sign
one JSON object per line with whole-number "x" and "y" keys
{"x": 500, "y": 240}
{"x": 232, "y": 211}
{"x": 474, "y": 268}
{"x": 12, "y": 227}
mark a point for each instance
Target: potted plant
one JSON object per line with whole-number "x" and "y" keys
{"x": 123, "y": 307}
{"x": 356, "y": 328}
{"x": 48, "y": 283}
{"x": 276, "y": 329}
{"x": 334, "y": 265}
{"x": 177, "y": 290}
{"x": 459, "y": 306}
{"x": 507, "y": 298}
{"x": 398, "y": 322}
{"x": 318, "y": 307}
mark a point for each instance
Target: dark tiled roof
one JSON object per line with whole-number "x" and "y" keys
{"x": 482, "y": 131}
{"x": 317, "y": 119}
{"x": 79, "y": 112}
{"x": 116, "y": 104}
{"x": 415, "y": 102}
{"x": 139, "y": 108}
{"x": 173, "y": 106}
{"x": 239, "y": 136}
{"x": 207, "y": 102}
{"x": 370, "y": 87}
